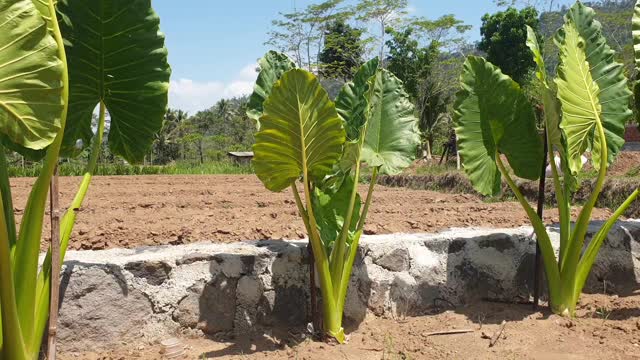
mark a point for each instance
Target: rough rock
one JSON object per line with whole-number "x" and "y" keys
{"x": 155, "y": 272}
{"x": 114, "y": 295}
{"x": 99, "y": 307}
{"x": 395, "y": 260}
{"x": 209, "y": 307}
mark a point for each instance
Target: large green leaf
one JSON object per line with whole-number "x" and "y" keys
{"x": 272, "y": 66}
{"x": 300, "y": 132}
{"x": 536, "y": 50}
{"x": 116, "y": 55}
{"x": 552, "y": 109}
{"x": 351, "y": 102}
{"x": 493, "y": 115}
{"x": 551, "y": 105}
{"x": 30, "y": 78}
{"x": 614, "y": 94}
{"x": 579, "y": 96}
{"x": 392, "y": 135}
{"x": 330, "y": 209}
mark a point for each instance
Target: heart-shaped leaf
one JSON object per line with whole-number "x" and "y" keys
{"x": 30, "y": 79}
{"x": 614, "y": 94}
{"x": 351, "y": 102}
{"x": 301, "y": 132}
{"x": 272, "y": 66}
{"x": 578, "y": 93}
{"x": 392, "y": 135}
{"x": 493, "y": 116}
{"x": 116, "y": 55}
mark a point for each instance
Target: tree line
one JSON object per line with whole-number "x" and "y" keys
{"x": 333, "y": 37}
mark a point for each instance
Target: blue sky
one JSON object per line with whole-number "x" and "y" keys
{"x": 214, "y": 44}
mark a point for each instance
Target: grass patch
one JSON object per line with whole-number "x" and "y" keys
{"x": 437, "y": 170}
{"x": 74, "y": 169}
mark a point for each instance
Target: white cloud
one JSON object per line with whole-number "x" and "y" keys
{"x": 249, "y": 72}
{"x": 192, "y": 95}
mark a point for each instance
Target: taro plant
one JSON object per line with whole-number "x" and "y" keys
{"x": 307, "y": 140}
{"x": 495, "y": 122}
{"x": 59, "y": 58}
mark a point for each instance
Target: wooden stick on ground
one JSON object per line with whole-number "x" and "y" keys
{"x": 55, "y": 264}
{"x": 498, "y": 334}
{"x": 450, "y": 332}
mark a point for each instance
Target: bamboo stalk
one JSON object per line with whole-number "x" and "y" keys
{"x": 55, "y": 265}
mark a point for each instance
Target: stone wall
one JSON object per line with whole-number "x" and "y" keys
{"x": 145, "y": 294}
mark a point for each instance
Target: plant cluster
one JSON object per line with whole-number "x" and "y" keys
{"x": 305, "y": 138}
{"x": 58, "y": 61}
{"x": 495, "y": 122}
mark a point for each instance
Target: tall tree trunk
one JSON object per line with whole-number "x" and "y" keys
{"x": 309, "y": 55}
{"x": 201, "y": 152}
{"x": 429, "y": 144}
{"x": 382, "y": 45}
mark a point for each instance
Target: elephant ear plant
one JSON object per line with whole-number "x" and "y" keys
{"x": 105, "y": 53}
{"x": 305, "y": 138}
{"x": 494, "y": 120}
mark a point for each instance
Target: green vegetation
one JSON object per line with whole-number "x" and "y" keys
{"x": 304, "y": 137}
{"x": 332, "y": 38}
{"x": 342, "y": 51}
{"x": 50, "y": 70}
{"x": 77, "y": 169}
{"x": 588, "y": 112}
{"x": 504, "y": 36}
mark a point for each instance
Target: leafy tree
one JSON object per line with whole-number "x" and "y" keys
{"x": 504, "y": 36}
{"x": 426, "y": 56}
{"x": 540, "y": 5}
{"x": 408, "y": 60}
{"x": 165, "y": 146}
{"x": 207, "y": 135}
{"x": 343, "y": 51}
{"x": 433, "y": 108}
{"x": 447, "y": 31}
{"x": 385, "y": 14}
{"x": 300, "y": 34}
{"x": 287, "y": 36}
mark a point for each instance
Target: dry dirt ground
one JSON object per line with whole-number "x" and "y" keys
{"x": 606, "y": 328}
{"x": 153, "y": 210}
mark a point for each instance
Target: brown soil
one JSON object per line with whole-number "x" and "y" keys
{"x": 154, "y": 210}
{"x": 624, "y": 163}
{"x": 606, "y": 328}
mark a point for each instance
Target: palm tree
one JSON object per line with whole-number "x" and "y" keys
{"x": 172, "y": 132}
{"x": 432, "y": 106}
